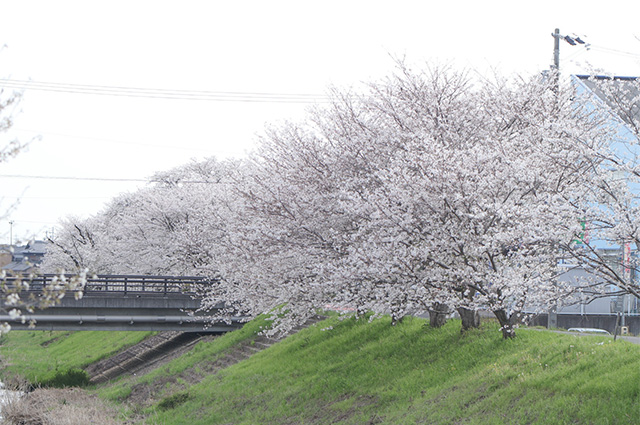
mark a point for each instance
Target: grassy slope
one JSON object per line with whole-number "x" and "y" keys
{"x": 38, "y": 355}
{"x": 363, "y": 372}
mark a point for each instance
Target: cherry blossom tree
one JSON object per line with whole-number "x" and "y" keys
{"x": 169, "y": 227}
{"x": 75, "y": 248}
{"x": 504, "y": 204}
{"x": 424, "y": 192}
{"x": 427, "y": 191}
{"x": 440, "y": 193}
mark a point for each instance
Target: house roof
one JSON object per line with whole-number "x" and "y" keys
{"x": 26, "y": 257}
{"x": 33, "y": 247}
{"x": 18, "y": 266}
{"x": 620, "y": 94}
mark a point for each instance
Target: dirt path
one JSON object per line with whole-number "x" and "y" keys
{"x": 146, "y": 354}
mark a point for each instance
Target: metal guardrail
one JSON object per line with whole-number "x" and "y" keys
{"x": 120, "y": 303}
{"x": 124, "y": 284}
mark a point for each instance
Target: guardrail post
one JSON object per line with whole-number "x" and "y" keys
{"x": 165, "y": 287}
{"x": 125, "y": 286}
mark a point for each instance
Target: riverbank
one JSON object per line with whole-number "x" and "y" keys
{"x": 58, "y": 358}
{"x": 355, "y": 372}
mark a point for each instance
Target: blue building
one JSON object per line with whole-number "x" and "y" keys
{"x": 620, "y": 97}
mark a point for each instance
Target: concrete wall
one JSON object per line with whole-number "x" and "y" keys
{"x": 117, "y": 312}
{"x": 604, "y": 305}
{"x": 599, "y": 321}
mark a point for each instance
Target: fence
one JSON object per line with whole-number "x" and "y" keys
{"x": 123, "y": 284}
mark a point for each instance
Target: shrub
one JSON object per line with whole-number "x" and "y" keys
{"x": 68, "y": 378}
{"x": 173, "y": 401}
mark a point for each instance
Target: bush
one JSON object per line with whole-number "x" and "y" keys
{"x": 67, "y": 378}
{"x": 173, "y": 401}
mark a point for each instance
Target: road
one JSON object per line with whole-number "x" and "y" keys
{"x": 631, "y": 339}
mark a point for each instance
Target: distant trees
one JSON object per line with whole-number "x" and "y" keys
{"x": 427, "y": 192}
{"x": 174, "y": 226}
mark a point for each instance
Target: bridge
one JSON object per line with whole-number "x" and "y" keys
{"x": 123, "y": 303}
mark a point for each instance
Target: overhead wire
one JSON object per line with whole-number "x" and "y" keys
{"x": 124, "y": 142}
{"x": 55, "y": 197}
{"x": 576, "y": 53}
{"x": 103, "y": 179}
{"x": 614, "y": 51}
{"x": 203, "y": 95}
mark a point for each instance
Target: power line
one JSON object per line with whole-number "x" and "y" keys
{"x": 34, "y": 222}
{"x": 575, "y": 54}
{"x": 124, "y": 142}
{"x": 216, "y": 96}
{"x": 104, "y": 179}
{"x": 57, "y": 198}
{"x": 614, "y": 51}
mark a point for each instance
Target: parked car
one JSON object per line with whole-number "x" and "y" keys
{"x": 590, "y": 330}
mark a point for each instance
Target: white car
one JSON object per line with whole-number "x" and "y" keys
{"x": 589, "y": 330}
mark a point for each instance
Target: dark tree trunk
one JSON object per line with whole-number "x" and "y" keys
{"x": 438, "y": 315}
{"x": 506, "y": 324}
{"x": 396, "y": 320}
{"x": 398, "y": 310}
{"x": 470, "y": 318}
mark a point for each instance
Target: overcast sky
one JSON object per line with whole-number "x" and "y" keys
{"x": 249, "y": 48}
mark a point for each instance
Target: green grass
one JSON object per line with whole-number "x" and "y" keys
{"x": 361, "y": 372}
{"x": 38, "y": 356}
{"x": 203, "y": 352}
{"x": 374, "y": 373}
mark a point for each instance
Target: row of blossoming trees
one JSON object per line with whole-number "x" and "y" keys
{"x": 426, "y": 192}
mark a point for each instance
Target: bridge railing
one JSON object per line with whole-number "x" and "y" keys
{"x": 125, "y": 284}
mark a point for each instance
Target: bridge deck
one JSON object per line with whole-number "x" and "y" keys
{"x": 125, "y": 302}
{"x": 126, "y": 284}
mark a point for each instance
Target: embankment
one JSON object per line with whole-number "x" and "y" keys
{"x": 356, "y": 372}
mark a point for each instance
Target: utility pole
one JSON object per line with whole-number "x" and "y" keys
{"x": 50, "y": 234}
{"x": 572, "y": 40}
{"x": 555, "y": 68}
{"x": 556, "y": 50}
{"x": 11, "y": 233}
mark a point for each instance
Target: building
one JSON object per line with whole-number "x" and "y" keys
{"x": 621, "y": 99}
{"x": 25, "y": 258}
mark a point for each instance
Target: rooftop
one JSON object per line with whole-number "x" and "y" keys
{"x": 618, "y": 93}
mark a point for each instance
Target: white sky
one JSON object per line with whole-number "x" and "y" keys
{"x": 282, "y": 47}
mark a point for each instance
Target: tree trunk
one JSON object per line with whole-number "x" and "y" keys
{"x": 438, "y": 315}
{"x": 508, "y": 331}
{"x": 470, "y": 319}
{"x": 396, "y": 320}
